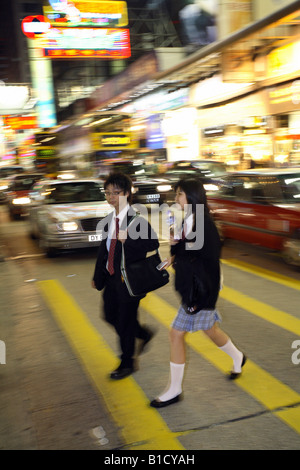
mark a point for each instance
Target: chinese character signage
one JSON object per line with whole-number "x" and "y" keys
{"x": 62, "y": 43}
{"x": 88, "y": 13}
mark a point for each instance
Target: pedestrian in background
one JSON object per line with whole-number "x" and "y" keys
{"x": 121, "y": 309}
{"x": 197, "y": 279}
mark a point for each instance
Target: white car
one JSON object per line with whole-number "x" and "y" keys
{"x": 65, "y": 214}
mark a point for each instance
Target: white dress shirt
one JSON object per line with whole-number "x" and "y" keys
{"x": 112, "y": 226}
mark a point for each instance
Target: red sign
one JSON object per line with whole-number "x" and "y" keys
{"x": 21, "y": 122}
{"x": 61, "y": 43}
{"x": 35, "y": 25}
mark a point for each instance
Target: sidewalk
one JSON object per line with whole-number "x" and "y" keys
{"x": 46, "y": 401}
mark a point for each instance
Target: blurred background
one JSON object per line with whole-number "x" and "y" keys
{"x": 160, "y": 90}
{"x": 176, "y": 80}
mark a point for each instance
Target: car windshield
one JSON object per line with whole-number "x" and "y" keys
{"x": 211, "y": 169}
{"x": 290, "y": 185}
{"x": 204, "y": 170}
{"x": 6, "y": 171}
{"x": 130, "y": 169}
{"x": 23, "y": 183}
{"x": 67, "y": 193}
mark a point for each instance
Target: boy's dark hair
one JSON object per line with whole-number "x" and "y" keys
{"x": 120, "y": 181}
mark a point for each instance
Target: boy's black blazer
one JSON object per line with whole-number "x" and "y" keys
{"x": 135, "y": 247}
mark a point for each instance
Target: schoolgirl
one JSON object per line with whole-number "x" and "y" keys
{"x": 197, "y": 279}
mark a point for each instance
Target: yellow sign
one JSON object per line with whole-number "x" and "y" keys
{"x": 284, "y": 60}
{"x": 89, "y": 13}
{"x": 113, "y": 141}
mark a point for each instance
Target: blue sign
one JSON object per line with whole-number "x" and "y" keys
{"x": 155, "y": 136}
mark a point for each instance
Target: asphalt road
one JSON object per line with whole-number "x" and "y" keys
{"x": 55, "y": 393}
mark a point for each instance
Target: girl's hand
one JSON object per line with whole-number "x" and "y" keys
{"x": 173, "y": 241}
{"x": 170, "y": 261}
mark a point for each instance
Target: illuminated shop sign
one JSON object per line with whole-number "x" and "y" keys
{"x": 45, "y": 154}
{"x": 61, "y": 43}
{"x": 89, "y": 13}
{"x": 214, "y": 131}
{"x": 35, "y": 25}
{"x": 21, "y": 122}
{"x": 155, "y": 136}
{"x": 113, "y": 141}
{"x": 284, "y": 60}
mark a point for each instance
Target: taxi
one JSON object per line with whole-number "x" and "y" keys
{"x": 64, "y": 214}
{"x": 261, "y": 207}
{"x": 17, "y": 193}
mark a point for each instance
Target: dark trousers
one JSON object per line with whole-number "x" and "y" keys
{"x": 121, "y": 311}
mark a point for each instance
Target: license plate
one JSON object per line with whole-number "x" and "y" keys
{"x": 95, "y": 238}
{"x": 153, "y": 197}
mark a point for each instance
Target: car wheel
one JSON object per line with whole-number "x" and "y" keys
{"x": 14, "y": 216}
{"x": 288, "y": 251}
{"x": 33, "y": 231}
{"x": 49, "y": 251}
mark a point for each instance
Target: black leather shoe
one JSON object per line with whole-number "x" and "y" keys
{"x": 121, "y": 373}
{"x": 235, "y": 375}
{"x": 143, "y": 343}
{"x": 161, "y": 404}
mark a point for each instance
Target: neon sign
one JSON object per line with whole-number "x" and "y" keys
{"x": 35, "y": 25}
{"x": 88, "y": 13}
{"x": 61, "y": 43}
{"x": 21, "y": 122}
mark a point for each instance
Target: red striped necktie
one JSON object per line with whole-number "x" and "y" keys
{"x": 111, "y": 253}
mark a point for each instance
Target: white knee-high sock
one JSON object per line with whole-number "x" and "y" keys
{"x": 175, "y": 383}
{"x": 237, "y": 356}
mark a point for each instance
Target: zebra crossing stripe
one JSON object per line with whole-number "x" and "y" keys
{"x": 266, "y": 389}
{"x": 142, "y": 430}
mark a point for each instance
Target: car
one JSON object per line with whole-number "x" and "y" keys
{"x": 17, "y": 193}
{"x": 261, "y": 207}
{"x": 64, "y": 214}
{"x": 148, "y": 187}
{"x": 207, "y": 170}
{"x": 158, "y": 189}
{"x": 10, "y": 170}
{"x": 6, "y": 172}
{"x": 4, "y": 183}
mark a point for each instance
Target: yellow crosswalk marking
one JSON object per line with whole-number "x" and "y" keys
{"x": 262, "y": 310}
{"x": 258, "y": 383}
{"x": 142, "y": 430}
{"x": 262, "y": 272}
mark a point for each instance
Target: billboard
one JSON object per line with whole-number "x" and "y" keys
{"x": 267, "y": 7}
{"x": 234, "y": 16}
{"x": 63, "y": 43}
{"x": 88, "y": 13}
{"x": 21, "y": 122}
{"x": 195, "y": 20}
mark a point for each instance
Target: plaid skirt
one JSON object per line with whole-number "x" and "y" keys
{"x": 202, "y": 320}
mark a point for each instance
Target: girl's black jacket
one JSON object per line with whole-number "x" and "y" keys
{"x": 197, "y": 271}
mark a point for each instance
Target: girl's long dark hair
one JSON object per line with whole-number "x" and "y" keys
{"x": 195, "y": 193}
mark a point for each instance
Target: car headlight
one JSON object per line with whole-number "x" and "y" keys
{"x": 211, "y": 187}
{"x": 134, "y": 190}
{"x": 21, "y": 200}
{"x": 2, "y": 188}
{"x": 164, "y": 187}
{"x": 69, "y": 226}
